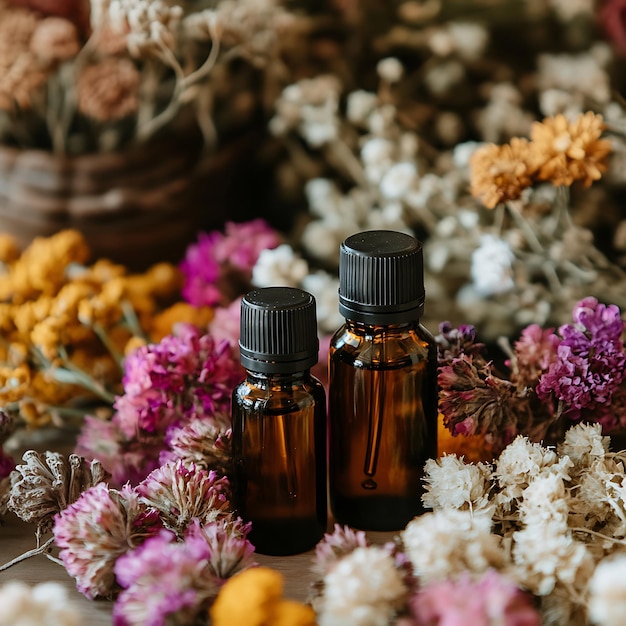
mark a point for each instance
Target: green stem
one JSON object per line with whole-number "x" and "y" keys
{"x": 26, "y": 555}
{"x": 108, "y": 344}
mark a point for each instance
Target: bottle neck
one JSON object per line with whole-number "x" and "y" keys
{"x": 261, "y": 379}
{"x": 371, "y": 329}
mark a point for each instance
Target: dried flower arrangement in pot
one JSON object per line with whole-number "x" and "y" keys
{"x": 111, "y": 112}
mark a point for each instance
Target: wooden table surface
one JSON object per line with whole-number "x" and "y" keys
{"x": 16, "y": 537}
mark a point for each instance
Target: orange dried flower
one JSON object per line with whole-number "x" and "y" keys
{"x": 501, "y": 173}
{"x": 570, "y": 151}
{"x": 107, "y": 90}
{"x": 55, "y": 40}
{"x": 9, "y": 250}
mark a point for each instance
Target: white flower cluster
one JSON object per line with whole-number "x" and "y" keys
{"x": 364, "y": 588}
{"x": 41, "y": 605}
{"x": 557, "y": 516}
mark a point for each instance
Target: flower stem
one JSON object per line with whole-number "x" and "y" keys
{"x": 26, "y": 555}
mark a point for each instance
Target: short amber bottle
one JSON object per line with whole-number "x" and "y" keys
{"x": 383, "y": 384}
{"x": 279, "y": 423}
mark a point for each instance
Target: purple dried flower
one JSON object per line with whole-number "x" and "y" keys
{"x": 219, "y": 266}
{"x": 7, "y": 464}
{"x": 165, "y": 582}
{"x": 182, "y": 493}
{"x": 172, "y": 583}
{"x": 96, "y": 530}
{"x": 336, "y": 545}
{"x": 492, "y": 600}
{"x": 184, "y": 377}
{"x": 454, "y": 342}
{"x": 590, "y": 364}
{"x": 474, "y": 401}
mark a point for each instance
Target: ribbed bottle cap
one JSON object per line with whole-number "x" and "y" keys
{"x": 278, "y": 331}
{"x": 381, "y": 278}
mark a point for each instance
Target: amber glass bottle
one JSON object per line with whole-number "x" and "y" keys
{"x": 383, "y": 384}
{"x": 279, "y": 423}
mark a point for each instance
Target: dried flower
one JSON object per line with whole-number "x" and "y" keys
{"x": 534, "y": 352}
{"x": 363, "y": 589}
{"x": 501, "y": 173}
{"x": 490, "y": 600}
{"x": 583, "y": 444}
{"x": 181, "y": 493}
{"x": 569, "y": 151}
{"x": 279, "y": 266}
{"x": 254, "y": 597}
{"x": 107, "y": 91}
{"x": 492, "y": 266}
{"x": 47, "y": 483}
{"x": 96, "y": 530}
{"x": 446, "y": 543}
{"x": 41, "y": 605}
{"x": 334, "y": 546}
{"x": 55, "y": 40}
{"x": 453, "y": 484}
{"x": 607, "y": 602}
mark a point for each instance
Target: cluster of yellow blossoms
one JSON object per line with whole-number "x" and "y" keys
{"x": 65, "y": 325}
{"x": 559, "y": 151}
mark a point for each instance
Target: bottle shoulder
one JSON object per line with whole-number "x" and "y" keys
{"x": 295, "y": 394}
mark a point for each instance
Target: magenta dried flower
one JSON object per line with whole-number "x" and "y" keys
{"x": 181, "y": 493}
{"x": 229, "y": 549}
{"x": 46, "y": 483}
{"x": 187, "y": 376}
{"x": 219, "y": 267}
{"x": 96, "y": 530}
{"x": 534, "y": 352}
{"x": 165, "y": 582}
{"x": 203, "y": 442}
{"x": 333, "y": 546}
{"x": 492, "y": 600}
{"x": 590, "y": 363}
{"x": 454, "y": 342}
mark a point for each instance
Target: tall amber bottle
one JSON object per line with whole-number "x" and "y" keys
{"x": 279, "y": 423}
{"x": 383, "y": 384}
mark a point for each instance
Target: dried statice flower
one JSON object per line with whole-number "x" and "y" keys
{"x": 519, "y": 464}
{"x": 489, "y": 600}
{"x": 181, "y": 493}
{"x": 607, "y": 592}
{"x": 334, "y": 546}
{"x": 363, "y": 589}
{"x": 448, "y": 542}
{"x": 452, "y": 484}
{"x": 204, "y": 442}
{"x": 501, "y": 173}
{"x": 47, "y": 483}
{"x": 41, "y": 605}
{"x": 546, "y": 556}
{"x": 96, "y": 530}
{"x": 570, "y": 151}
{"x": 583, "y": 444}
{"x": 591, "y": 361}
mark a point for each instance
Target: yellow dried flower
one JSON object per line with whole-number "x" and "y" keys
{"x": 9, "y": 250}
{"x": 108, "y": 90}
{"x": 47, "y": 336}
{"x": 27, "y": 315}
{"x": 501, "y": 173}
{"x": 570, "y": 151}
{"x": 34, "y": 414}
{"x": 165, "y": 280}
{"x": 254, "y": 598}
{"x": 48, "y": 391}
{"x": 14, "y": 383}
{"x": 163, "y": 323}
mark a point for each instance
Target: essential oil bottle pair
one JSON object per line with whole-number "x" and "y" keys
{"x": 382, "y": 405}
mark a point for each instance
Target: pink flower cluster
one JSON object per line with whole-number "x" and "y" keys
{"x": 219, "y": 267}
{"x": 112, "y": 540}
{"x": 185, "y": 377}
